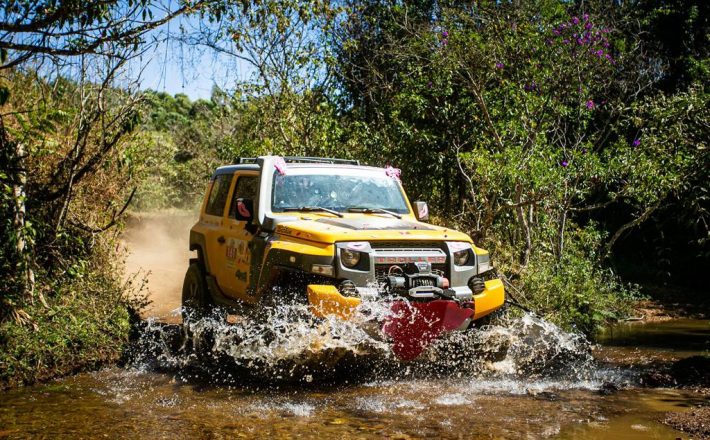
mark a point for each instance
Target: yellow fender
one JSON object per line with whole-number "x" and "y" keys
{"x": 326, "y": 300}
{"x": 490, "y": 299}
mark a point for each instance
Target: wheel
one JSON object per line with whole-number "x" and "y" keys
{"x": 195, "y": 298}
{"x": 287, "y": 289}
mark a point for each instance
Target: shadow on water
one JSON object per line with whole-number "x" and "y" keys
{"x": 652, "y": 347}
{"x": 685, "y": 335}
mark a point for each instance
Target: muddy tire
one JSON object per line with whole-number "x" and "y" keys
{"x": 195, "y": 298}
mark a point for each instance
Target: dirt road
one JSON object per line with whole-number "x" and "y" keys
{"x": 157, "y": 246}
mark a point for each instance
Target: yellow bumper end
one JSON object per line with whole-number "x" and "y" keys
{"x": 490, "y": 299}
{"x": 326, "y": 300}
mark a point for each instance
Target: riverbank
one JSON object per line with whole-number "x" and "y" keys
{"x": 83, "y": 324}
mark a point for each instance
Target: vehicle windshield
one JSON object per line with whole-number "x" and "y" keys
{"x": 337, "y": 192}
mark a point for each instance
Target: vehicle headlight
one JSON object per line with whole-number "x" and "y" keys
{"x": 349, "y": 258}
{"x": 461, "y": 257}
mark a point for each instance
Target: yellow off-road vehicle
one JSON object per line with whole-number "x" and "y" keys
{"x": 333, "y": 234}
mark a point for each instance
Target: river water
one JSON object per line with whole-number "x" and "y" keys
{"x": 285, "y": 378}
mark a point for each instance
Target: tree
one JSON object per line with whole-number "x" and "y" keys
{"x": 60, "y": 29}
{"x": 61, "y": 123}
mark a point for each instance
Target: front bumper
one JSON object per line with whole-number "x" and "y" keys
{"x": 326, "y": 300}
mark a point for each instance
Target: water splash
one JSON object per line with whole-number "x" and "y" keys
{"x": 288, "y": 343}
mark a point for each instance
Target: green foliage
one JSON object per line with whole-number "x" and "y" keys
{"x": 62, "y": 307}
{"x": 574, "y": 292}
{"x": 85, "y": 325}
{"x": 525, "y": 119}
{"x": 678, "y": 32}
{"x": 183, "y": 141}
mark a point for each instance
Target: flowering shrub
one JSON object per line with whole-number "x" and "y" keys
{"x": 517, "y": 132}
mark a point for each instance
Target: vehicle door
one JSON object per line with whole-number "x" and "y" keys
{"x": 239, "y": 230}
{"x": 213, "y": 218}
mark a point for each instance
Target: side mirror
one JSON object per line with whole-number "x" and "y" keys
{"x": 421, "y": 211}
{"x": 245, "y": 210}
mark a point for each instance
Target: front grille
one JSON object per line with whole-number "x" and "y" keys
{"x": 420, "y": 244}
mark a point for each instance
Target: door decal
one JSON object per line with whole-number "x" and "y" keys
{"x": 237, "y": 252}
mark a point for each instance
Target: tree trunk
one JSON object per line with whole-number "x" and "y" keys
{"x": 562, "y": 227}
{"x": 22, "y": 245}
{"x": 561, "y": 234}
{"x": 524, "y": 227}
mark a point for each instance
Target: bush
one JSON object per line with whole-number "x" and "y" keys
{"x": 85, "y": 324}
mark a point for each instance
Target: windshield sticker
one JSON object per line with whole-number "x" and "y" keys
{"x": 280, "y": 165}
{"x": 393, "y": 172}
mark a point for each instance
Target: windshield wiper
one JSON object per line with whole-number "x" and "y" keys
{"x": 374, "y": 211}
{"x": 314, "y": 208}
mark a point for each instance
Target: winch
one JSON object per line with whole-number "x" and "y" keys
{"x": 417, "y": 281}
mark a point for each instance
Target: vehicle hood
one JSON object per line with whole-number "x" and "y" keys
{"x": 364, "y": 228}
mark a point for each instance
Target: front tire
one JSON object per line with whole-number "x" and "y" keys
{"x": 195, "y": 298}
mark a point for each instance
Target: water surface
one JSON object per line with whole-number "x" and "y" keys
{"x": 547, "y": 391}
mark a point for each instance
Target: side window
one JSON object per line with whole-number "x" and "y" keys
{"x": 218, "y": 195}
{"x": 247, "y": 187}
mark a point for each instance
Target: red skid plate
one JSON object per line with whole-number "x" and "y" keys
{"x": 413, "y": 326}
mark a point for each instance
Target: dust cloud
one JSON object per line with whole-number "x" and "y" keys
{"x": 158, "y": 250}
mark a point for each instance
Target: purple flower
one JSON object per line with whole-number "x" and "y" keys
{"x": 430, "y": 85}
{"x": 556, "y": 32}
{"x": 565, "y": 41}
{"x": 500, "y": 65}
{"x": 584, "y": 151}
{"x": 590, "y": 104}
{"x": 575, "y": 20}
{"x": 636, "y": 142}
{"x": 444, "y": 42}
{"x": 587, "y": 25}
{"x": 599, "y": 53}
{"x": 530, "y": 87}
{"x": 564, "y": 163}
{"x": 445, "y": 34}
{"x": 585, "y": 17}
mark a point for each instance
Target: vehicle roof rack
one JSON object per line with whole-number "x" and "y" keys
{"x": 303, "y": 159}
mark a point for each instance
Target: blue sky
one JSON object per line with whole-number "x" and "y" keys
{"x": 174, "y": 67}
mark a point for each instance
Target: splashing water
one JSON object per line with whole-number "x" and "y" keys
{"x": 285, "y": 342}
{"x": 289, "y": 343}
